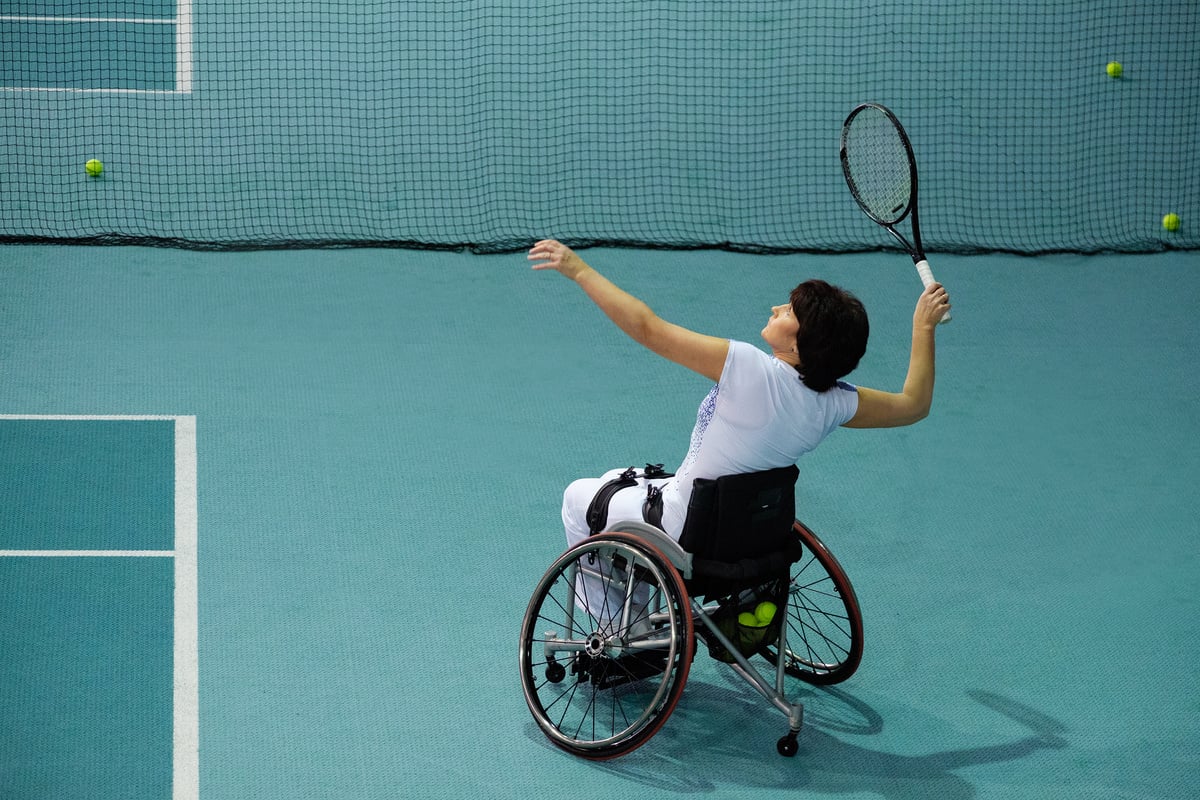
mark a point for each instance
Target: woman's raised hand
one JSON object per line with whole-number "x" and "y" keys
{"x": 553, "y": 254}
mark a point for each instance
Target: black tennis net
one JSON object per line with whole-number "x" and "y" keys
{"x": 487, "y": 124}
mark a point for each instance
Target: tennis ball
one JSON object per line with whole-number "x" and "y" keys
{"x": 94, "y": 167}
{"x": 765, "y": 612}
{"x": 1171, "y": 222}
{"x": 1114, "y": 69}
{"x": 748, "y": 620}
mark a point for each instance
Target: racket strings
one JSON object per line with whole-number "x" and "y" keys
{"x": 877, "y": 166}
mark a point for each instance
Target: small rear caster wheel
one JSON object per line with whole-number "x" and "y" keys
{"x": 788, "y": 746}
{"x": 555, "y": 672}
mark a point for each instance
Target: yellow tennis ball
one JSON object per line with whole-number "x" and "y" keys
{"x": 94, "y": 167}
{"x": 1114, "y": 69}
{"x": 748, "y": 620}
{"x": 1171, "y": 222}
{"x": 765, "y": 612}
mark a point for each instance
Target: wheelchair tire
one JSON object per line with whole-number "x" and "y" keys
{"x": 825, "y": 630}
{"x": 596, "y": 687}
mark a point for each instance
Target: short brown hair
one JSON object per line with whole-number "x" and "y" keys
{"x": 833, "y": 333}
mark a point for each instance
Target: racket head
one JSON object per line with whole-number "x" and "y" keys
{"x": 878, "y": 163}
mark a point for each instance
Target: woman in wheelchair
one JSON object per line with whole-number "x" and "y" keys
{"x": 764, "y": 411}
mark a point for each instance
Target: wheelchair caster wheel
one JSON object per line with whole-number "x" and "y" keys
{"x": 788, "y": 746}
{"x": 555, "y": 672}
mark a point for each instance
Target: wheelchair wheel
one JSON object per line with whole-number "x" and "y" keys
{"x": 825, "y": 632}
{"x": 606, "y": 645}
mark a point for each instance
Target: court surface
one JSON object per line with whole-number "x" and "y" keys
{"x": 381, "y": 440}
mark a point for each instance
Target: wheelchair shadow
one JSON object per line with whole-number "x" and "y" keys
{"x": 692, "y": 755}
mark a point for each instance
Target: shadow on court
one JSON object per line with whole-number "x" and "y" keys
{"x": 693, "y": 755}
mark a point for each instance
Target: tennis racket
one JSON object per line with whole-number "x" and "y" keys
{"x": 881, "y": 171}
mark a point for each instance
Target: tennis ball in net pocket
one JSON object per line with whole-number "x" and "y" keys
{"x": 765, "y": 612}
{"x": 748, "y": 620}
{"x": 94, "y": 167}
{"x": 1114, "y": 69}
{"x": 1171, "y": 222}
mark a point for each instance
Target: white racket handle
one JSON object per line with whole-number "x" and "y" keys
{"x": 927, "y": 278}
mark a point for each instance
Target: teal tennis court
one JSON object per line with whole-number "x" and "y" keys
{"x": 274, "y": 496}
{"x": 375, "y": 507}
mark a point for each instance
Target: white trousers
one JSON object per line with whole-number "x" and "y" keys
{"x": 591, "y": 596}
{"x": 625, "y": 504}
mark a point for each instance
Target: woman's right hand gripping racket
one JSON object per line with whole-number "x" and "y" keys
{"x": 878, "y": 162}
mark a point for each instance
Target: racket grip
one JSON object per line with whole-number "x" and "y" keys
{"x": 927, "y": 278}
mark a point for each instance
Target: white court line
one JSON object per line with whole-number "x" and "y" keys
{"x": 185, "y": 778}
{"x": 183, "y": 46}
{"x": 100, "y": 417}
{"x": 68, "y": 90}
{"x": 184, "y": 49}
{"x": 87, "y": 553}
{"x": 116, "y": 20}
{"x": 186, "y": 763}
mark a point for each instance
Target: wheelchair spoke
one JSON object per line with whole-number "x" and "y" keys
{"x": 810, "y": 634}
{"x": 814, "y": 613}
{"x": 821, "y": 583}
{"x": 565, "y": 621}
{"x": 808, "y": 621}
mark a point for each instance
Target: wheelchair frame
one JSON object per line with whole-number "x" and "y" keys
{"x": 630, "y": 662}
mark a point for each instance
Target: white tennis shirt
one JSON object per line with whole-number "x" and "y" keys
{"x": 760, "y": 416}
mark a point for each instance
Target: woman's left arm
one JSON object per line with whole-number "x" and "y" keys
{"x": 696, "y": 351}
{"x": 911, "y": 404}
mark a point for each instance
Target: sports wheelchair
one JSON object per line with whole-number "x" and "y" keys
{"x": 610, "y": 632}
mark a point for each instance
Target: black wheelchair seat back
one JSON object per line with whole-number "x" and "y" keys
{"x": 739, "y": 530}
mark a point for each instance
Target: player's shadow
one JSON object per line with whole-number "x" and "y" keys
{"x": 696, "y": 752}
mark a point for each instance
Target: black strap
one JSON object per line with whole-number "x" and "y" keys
{"x": 652, "y": 508}
{"x": 597, "y": 513}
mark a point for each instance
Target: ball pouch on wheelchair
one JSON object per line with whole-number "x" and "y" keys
{"x": 748, "y": 638}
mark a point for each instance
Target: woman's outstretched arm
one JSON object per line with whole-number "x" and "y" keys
{"x": 696, "y": 351}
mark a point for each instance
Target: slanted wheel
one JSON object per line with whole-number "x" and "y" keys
{"x": 824, "y": 622}
{"x": 606, "y": 645}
